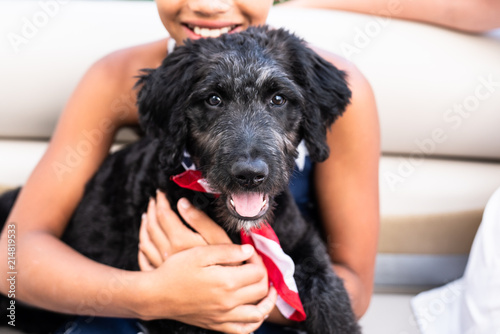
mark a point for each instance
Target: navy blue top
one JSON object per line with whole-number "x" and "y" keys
{"x": 301, "y": 181}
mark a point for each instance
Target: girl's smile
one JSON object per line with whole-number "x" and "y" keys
{"x": 202, "y": 29}
{"x": 195, "y": 19}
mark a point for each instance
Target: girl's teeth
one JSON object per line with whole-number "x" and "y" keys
{"x": 206, "y": 32}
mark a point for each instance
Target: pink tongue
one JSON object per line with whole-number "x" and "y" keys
{"x": 247, "y": 204}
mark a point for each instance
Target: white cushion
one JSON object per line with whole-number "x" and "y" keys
{"x": 40, "y": 73}
{"x": 419, "y": 72}
{"x": 435, "y": 186}
{"x": 421, "y": 75}
{"x": 19, "y": 158}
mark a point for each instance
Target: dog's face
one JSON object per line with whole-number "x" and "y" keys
{"x": 240, "y": 105}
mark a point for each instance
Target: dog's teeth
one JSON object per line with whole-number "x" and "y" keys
{"x": 264, "y": 203}
{"x": 232, "y": 203}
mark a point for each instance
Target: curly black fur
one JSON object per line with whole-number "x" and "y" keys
{"x": 250, "y": 127}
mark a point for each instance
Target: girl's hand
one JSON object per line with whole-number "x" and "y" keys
{"x": 162, "y": 232}
{"x": 198, "y": 287}
{"x": 216, "y": 284}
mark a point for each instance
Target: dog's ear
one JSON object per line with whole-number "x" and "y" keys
{"x": 162, "y": 102}
{"x": 327, "y": 96}
{"x": 324, "y": 88}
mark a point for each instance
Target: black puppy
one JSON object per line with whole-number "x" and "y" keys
{"x": 239, "y": 105}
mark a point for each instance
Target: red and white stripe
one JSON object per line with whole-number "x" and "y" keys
{"x": 280, "y": 270}
{"x": 279, "y": 265}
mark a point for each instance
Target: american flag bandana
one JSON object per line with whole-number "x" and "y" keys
{"x": 280, "y": 266}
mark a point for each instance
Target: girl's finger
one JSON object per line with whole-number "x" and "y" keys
{"x": 248, "y": 318}
{"x": 167, "y": 218}
{"x": 204, "y": 225}
{"x": 266, "y": 305}
{"x": 156, "y": 234}
{"x": 144, "y": 263}
{"x": 146, "y": 246}
{"x": 178, "y": 235}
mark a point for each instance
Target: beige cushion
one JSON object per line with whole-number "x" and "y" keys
{"x": 421, "y": 76}
{"x": 450, "y": 233}
{"x": 4, "y": 188}
{"x": 433, "y": 206}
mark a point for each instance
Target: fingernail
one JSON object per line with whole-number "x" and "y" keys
{"x": 143, "y": 217}
{"x": 247, "y": 249}
{"x": 184, "y": 203}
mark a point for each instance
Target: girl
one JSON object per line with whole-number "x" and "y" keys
{"x": 189, "y": 284}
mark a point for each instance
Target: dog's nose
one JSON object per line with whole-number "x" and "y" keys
{"x": 250, "y": 173}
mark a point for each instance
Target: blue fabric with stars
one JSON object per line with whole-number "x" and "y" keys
{"x": 301, "y": 181}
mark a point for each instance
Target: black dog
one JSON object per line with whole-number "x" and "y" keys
{"x": 240, "y": 105}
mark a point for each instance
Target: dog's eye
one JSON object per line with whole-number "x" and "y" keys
{"x": 278, "y": 100}
{"x": 214, "y": 101}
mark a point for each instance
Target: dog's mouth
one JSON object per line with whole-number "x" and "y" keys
{"x": 248, "y": 205}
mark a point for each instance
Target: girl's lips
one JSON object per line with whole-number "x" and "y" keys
{"x": 195, "y": 31}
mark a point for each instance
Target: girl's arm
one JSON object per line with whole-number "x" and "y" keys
{"x": 347, "y": 189}
{"x": 467, "y": 15}
{"x": 53, "y": 276}
{"x": 47, "y": 268}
